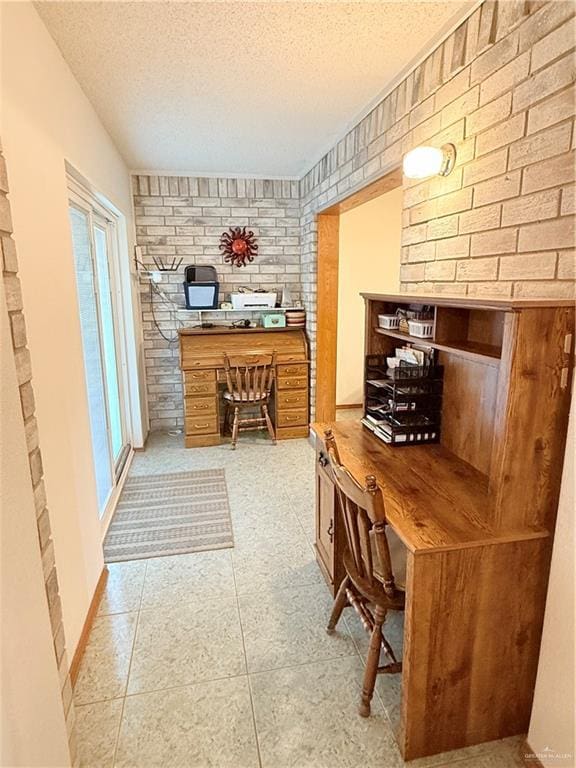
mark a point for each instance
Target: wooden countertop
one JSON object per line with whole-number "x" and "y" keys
{"x": 433, "y": 499}
{"x": 227, "y": 329}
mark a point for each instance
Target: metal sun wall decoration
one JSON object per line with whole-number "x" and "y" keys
{"x": 238, "y": 246}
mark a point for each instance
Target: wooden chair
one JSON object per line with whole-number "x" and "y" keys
{"x": 369, "y": 585}
{"x": 249, "y": 383}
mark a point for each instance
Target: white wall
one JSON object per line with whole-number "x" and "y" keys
{"x": 46, "y": 119}
{"x": 369, "y": 261}
{"x": 551, "y": 733}
{"x": 32, "y": 727}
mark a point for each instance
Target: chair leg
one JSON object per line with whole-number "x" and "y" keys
{"x": 372, "y": 662}
{"x": 269, "y": 424}
{"x": 340, "y": 602}
{"x": 235, "y": 427}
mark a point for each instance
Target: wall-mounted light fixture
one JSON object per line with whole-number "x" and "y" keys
{"x": 422, "y": 162}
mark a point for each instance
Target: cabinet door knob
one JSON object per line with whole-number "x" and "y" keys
{"x": 330, "y": 531}
{"x": 322, "y": 460}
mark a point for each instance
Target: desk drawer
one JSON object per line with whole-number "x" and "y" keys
{"x": 292, "y": 370}
{"x": 192, "y": 377}
{"x": 201, "y": 425}
{"x": 292, "y": 398}
{"x": 194, "y": 388}
{"x": 249, "y": 358}
{"x": 290, "y": 357}
{"x": 292, "y": 418}
{"x": 191, "y": 363}
{"x": 292, "y": 382}
{"x": 201, "y": 406}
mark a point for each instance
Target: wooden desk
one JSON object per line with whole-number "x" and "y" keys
{"x": 475, "y": 512}
{"x": 202, "y": 363}
{"x": 474, "y": 598}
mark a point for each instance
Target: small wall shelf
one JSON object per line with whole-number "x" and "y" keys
{"x": 246, "y": 309}
{"x": 472, "y": 350}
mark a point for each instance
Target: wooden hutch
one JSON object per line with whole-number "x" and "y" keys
{"x": 475, "y": 512}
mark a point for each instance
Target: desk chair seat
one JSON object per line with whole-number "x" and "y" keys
{"x": 245, "y": 397}
{"x": 249, "y": 381}
{"x": 369, "y": 585}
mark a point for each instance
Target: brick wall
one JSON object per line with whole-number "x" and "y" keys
{"x": 24, "y": 371}
{"x": 501, "y": 88}
{"x": 184, "y": 217}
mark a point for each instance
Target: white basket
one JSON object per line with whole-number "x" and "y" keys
{"x": 388, "y": 321}
{"x": 424, "y": 329}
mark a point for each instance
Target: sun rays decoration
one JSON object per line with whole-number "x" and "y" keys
{"x": 238, "y": 246}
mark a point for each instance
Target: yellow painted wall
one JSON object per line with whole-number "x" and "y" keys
{"x": 47, "y": 120}
{"x": 369, "y": 261}
{"x": 32, "y": 727}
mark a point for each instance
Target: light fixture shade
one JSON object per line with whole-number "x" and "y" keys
{"x": 422, "y": 162}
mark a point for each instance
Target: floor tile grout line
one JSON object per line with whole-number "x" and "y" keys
{"x": 248, "y": 673}
{"x": 190, "y": 684}
{"x": 119, "y": 730}
{"x": 246, "y": 665}
{"x": 161, "y": 690}
{"x": 251, "y": 694}
{"x": 297, "y": 516}
{"x": 121, "y": 718}
{"x": 307, "y": 663}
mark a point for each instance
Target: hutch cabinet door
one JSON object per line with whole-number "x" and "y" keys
{"x": 325, "y": 519}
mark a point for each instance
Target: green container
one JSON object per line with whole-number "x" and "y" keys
{"x": 274, "y": 320}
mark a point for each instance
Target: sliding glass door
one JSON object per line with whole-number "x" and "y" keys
{"x": 93, "y": 240}
{"x": 108, "y": 339}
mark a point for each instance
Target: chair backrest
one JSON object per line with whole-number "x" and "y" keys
{"x": 250, "y": 377}
{"x": 364, "y": 519}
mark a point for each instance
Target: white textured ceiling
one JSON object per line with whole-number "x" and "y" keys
{"x": 237, "y": 87}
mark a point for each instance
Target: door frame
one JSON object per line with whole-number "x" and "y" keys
{"x": 328, "y": 256}
{"x": 99, "y": 211}
{"x": 100, "y": 219}
{"x": 97, "y": 217}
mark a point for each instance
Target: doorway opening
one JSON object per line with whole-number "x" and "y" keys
{"x": 94, "y": 234}
{"x": 358, "y": 250}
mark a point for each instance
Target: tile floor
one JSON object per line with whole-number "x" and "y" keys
{"x": 220, "y": 659}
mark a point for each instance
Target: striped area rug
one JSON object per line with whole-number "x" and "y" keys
{"x": 170, "y": 514}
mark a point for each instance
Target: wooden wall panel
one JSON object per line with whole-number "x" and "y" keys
{"x": 469, "y": 404}
{"x": 327, "y": 320}
{"x": 474, "y": 616}
{"x": 533, "y": 414}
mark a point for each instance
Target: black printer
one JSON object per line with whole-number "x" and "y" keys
{"x": 200, "y": 287}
